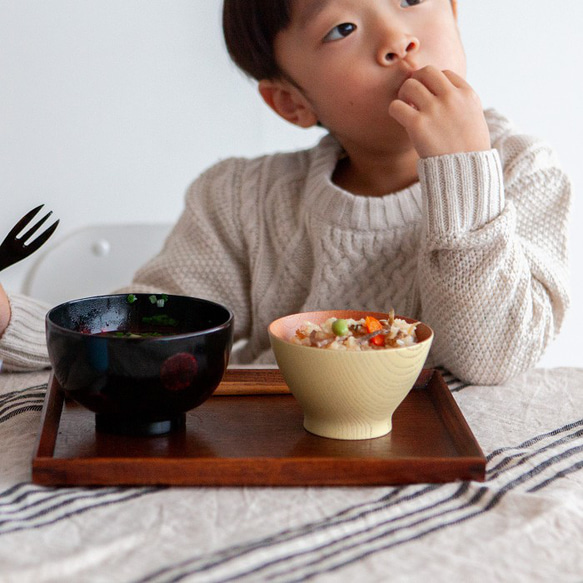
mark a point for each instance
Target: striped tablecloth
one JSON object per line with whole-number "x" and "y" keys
{"x": 524, "y": 523}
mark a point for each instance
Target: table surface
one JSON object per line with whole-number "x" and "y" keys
{"x": 524, "y": 523}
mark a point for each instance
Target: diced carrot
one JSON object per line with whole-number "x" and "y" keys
{"x": 372, "y": 324}
{"x": 378, "y": 340}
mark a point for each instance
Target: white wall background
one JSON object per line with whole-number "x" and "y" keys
{"x": 109, "y": 108}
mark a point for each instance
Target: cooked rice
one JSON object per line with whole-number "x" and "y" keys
{"x": 395, "y": 333}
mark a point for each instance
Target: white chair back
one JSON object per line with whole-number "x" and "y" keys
{"x": 93, "y": 260}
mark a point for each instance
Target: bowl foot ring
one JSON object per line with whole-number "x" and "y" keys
{"x": 139, "y": 427}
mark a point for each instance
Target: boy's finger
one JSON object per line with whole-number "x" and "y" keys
{"x": 415, "y": 92}
{"x": 456, "y": 80}
{"x": 433, "y": 79}
{"x": 402, "y": 112}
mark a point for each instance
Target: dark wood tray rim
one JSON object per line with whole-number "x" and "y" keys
{"x": 469, "y": 464}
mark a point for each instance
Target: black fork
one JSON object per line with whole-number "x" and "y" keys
{"x": 15, "y": 248}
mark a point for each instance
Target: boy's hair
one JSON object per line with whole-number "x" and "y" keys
{"x": 250, "y": 27}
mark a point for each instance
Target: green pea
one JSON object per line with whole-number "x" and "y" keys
{"x": 340, "y": 327}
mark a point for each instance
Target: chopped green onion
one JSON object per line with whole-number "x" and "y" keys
{"x": 158, "y": 301}
{"x": 160, "y": 320}
{"x": 132, "y": 298}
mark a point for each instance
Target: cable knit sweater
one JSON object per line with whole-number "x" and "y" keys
{"x": 477, "y": 249}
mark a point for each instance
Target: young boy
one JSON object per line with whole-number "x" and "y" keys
{"x": 417, "y": 200}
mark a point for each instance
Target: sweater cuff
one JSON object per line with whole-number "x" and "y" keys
{"x": 23, "y": 344}
{"x": 463, "y": 192}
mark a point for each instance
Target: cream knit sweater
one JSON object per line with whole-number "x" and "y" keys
{"x": 477, "y": 249}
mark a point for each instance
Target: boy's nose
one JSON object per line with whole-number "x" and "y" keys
{"x": 399, "y": 48}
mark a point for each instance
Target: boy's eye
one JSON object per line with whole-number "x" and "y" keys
{"x": 409, "y": 3}
{"x": 340, "y": 31}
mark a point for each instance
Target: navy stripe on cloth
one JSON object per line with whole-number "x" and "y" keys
{"x": 26, "y": 506}
{"x": 24, "y": 401}
{"x": 403, "y": 515}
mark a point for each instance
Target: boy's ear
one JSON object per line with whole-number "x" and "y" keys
{"x": 288, "y": 102}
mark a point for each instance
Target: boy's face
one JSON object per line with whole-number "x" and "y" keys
{"x": 347, "y": 60}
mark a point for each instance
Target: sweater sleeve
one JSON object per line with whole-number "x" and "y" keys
{"x": 493, "y": 261}
{"x": 206, "y": 254}
{"x": 23, "y": 344}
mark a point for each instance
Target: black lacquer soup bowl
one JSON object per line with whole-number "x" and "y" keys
{"x": 139, "y": 361}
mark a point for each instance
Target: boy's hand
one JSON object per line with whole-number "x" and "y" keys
{"x": 4, "y": 310}
{"x": 441, "y": 113}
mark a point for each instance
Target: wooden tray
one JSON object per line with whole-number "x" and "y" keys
{"x": 250, "y": 433}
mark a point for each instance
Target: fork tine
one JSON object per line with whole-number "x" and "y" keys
{"x": 42, "y": 238}
{"x": 23, "y": 222}
{"x": 35, "y": 228}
